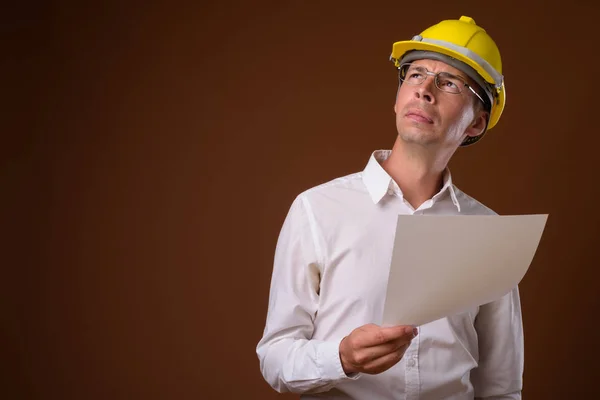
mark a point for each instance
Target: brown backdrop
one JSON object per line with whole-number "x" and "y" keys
{"x": 150, "y": 154}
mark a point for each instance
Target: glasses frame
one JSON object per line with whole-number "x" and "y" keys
{"x": 435, "y": 79}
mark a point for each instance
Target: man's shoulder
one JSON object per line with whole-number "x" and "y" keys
{"x": 471, "y": 206}
{"x": 335, "y": 185}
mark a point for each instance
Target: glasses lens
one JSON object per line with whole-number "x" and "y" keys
{"x": 449, "y": 83}
{"x": 412, "y": 74}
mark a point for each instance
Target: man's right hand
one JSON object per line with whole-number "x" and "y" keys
{"x": 372, "y": 349}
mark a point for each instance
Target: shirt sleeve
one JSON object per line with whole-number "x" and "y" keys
{"x": 499, "y": 326}
{"x": 290, "y": 360}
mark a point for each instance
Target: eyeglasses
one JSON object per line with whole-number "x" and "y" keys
{"x": 415, "y": 74}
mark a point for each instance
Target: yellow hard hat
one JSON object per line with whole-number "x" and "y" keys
{"x": 465, "y": 41}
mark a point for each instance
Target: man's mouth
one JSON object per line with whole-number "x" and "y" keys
{"x": 419, "y": 116}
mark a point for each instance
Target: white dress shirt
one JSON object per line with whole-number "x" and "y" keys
{"x": 329, "y": 277}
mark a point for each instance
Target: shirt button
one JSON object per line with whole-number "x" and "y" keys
{"x": 411, "y": 363}
{"x": 390, "y": 191}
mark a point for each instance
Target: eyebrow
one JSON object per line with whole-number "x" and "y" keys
{"x": 464, "y": 78}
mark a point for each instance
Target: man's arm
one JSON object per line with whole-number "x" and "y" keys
{"x": 499, "y": 327}
{"x": 290, "y": 360}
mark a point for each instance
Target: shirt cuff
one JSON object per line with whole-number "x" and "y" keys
{"x": 329, "y": 362}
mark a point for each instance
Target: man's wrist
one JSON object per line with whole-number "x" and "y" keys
{"x": 346, "y": 366}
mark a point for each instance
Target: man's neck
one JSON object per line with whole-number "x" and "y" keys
{"x": 417, "y": 171}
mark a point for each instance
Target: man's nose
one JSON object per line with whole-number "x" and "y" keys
{"x": 425, "y": 90}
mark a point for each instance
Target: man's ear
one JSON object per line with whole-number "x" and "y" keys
{"x": 478, "y": 125}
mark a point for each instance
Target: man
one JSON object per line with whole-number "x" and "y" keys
{"x": 322, "y": 337}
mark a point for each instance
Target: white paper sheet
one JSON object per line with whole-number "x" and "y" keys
{"x": 444, "y": 265}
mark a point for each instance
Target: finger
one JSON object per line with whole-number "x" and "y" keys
{"x": 402, "y": 340}
{"x": 384, "y": 335}
{"x": 385, "y": 362}
{"x": 388, "y": 347}
{"x": 371, "y": 353}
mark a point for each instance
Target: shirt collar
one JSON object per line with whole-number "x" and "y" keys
{"x": 377, "y": 180}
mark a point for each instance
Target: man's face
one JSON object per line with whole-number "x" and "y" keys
{"x": 428, "y": 116}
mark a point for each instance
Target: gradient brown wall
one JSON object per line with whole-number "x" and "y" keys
{"x": 150, "y": 154}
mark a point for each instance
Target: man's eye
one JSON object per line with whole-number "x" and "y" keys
{"x": 449, "y": 84}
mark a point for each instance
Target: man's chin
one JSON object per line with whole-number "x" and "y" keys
{"x": 418, "y": 136}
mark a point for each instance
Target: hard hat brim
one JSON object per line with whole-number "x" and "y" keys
{"x": 399, "y": 49}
